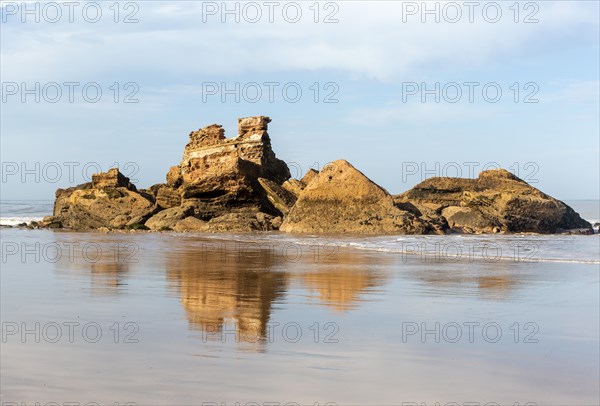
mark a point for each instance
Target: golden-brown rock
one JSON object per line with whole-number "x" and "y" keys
{"x": 294, "y": 186}
{"x": 220, "y": 175}
{"x": 309, "y": 176}
{"x": 341, "y": 199}
{"x": 282, "y": 199}
{"x": 89, "y": 207}
{"x": 168, "y": 218}
{"x": 497, "y": 199}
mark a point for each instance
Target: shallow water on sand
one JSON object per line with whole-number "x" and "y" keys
{"x": 181, "y": 319}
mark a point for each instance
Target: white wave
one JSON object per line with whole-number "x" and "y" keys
{"x": 13, "y": 221}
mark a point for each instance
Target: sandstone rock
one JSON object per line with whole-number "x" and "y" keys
{"x": 110, "y": 200}
{"x": 164, "y": 195}
{"x": 111, "y": 179}
{"x": 174, "y": 178}
{"x": 282, "y": 199}
{"x": 191, "y": 224}
{"x": 309, "y": 176}
{"x": 239, "y": 185}
{"x": 340, "y": 199}
{"x": 276, "y": 222}
{"x": 576, "y": 231}
{"x": 210, "y": 155}
{"x": 168, "y": 218}
{"x": 50, "y": 222}
{"x": 251, "y": 125}
{"x": 294, "y": 186}
{"x": 496, "y": 200}
{"x": 237, "y": 222}
{"x": 460, "y": 217}
{"x": 219, "y": 175}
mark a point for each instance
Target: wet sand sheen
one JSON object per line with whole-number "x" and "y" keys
{"x": 204, "y": 320}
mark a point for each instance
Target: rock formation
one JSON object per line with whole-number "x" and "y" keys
{"x": 110, "y": 200}
{"x": 341, "y": 199}
{"x": 219, "y": 181}
{"x": 238, "y": 184}
{"x": 222, "y": 184}
{"x": 496, "y": 201}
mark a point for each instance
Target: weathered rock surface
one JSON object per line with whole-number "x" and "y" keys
{"x": 309, "y": 176}
{"x": 168, "y": 218}
{"x": 281, "y": 198}
{"x": 110, "y": 200}
{"x": 191, "y": 224}
{"x": 164, "y": 195}
{"x": 239, "y": 185}
{"x": 294, "y": 186}
{"x": 111, "y": 179}
{"x": 341, "y": 199}
{"x": 219, "y": 178}
{"x": 496, "y": 201}
{"x": 215, "y": 166}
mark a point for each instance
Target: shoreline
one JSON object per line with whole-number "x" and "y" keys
{"x": 433, "y": 249}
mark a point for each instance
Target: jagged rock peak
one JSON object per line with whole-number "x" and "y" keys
{"x": 207, "y": 136}
{"x": 111, "y": 179}
{"x": 249, "y": 126}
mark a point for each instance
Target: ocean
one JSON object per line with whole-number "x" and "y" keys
{"x": 189, "y": 319}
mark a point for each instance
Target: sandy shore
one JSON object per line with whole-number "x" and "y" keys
{"x": 187, "y": 319}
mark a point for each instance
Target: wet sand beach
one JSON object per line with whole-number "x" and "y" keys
{"x": 166, "y": 318}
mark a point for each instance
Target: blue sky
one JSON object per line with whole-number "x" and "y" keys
{"x": 370, "y": 57}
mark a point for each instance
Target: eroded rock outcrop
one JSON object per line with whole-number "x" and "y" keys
{"x": 496, "y": 201}
{"x": 110, "y": 201}
{"x": 238, "y": 184}
{"x": 341, "y": 199}
{"x": 227, "y": 182}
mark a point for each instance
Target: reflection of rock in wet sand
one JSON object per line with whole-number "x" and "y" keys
{"x": 494, "y": 285}
{"x": 109, "y": 277}
{"x": 338, "y": 289}
{"x": 223, "y": 297}
{"x": 341, "y": 284}
{"x": 500, "y": 285}
{"x": 104, "y": 259}
{"x": 217, "y": 292}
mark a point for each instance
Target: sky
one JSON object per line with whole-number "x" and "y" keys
{"x": 402, "y": 90}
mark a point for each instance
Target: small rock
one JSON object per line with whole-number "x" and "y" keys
{"x": 168, "y": 218}
{"x": 276, "y": 222}
{"x": 191, "y": 224}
